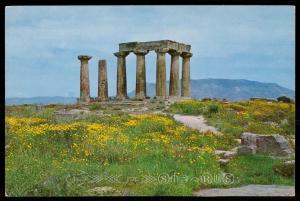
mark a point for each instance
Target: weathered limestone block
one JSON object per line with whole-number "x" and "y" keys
{"x": 153, "y": 45}
{"x": 248, "y": 139}
{"x": 121, "y": 75}
{"x": 174, "y": 73}
{"x": 246, "y": 149}
{"x": 102, "y": 81}
{"x": 274, "y": 144}
{"x": 229, "y": 154}
{"x": 226, "y": 154}
{"x": 140, "y": 91}
{"x": 161, "y": 72}
{"x": 84, "y": 78}
{"x": 185, "y": 81}
{"x": 223, "y": 162}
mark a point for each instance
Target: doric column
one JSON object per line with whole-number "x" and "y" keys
{"x": 174, "y": 73}
{"x": 102, "y": 81}
{"x": 121, "y": 75}
{"x": 185, "y": 80}
{"x": 140, "y": 89}
{"x": 161, "y": 72}
{"x": 84, "y": 78}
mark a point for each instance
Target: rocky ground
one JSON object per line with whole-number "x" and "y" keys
{"x": 249, "y": 190}
{"x": 196, "y": 122}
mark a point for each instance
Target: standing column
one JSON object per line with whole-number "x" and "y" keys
{"x": 84, "y": 78}
{"x": 102, "y": 81}
{"x": 161, "y": 72}
{"x": 121, "y": 75}
{"x": 185, "y": 80}
{"x": 140, "y": 89}
{"x": 174, "y": 74}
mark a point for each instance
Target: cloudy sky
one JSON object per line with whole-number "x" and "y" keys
{"x": 235, "y": 42}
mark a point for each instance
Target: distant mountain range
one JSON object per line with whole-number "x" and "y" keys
{"x": 230, "y": 89}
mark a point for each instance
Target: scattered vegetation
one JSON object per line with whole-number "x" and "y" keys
{"x": 233, "y": 118}
{"x": 62, "y": 158}
{"x": 136, "y": 154}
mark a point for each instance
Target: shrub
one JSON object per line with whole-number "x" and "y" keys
{"x": 213, "y": 108}
{"x": 283, "y": 169}
{"x": 284, "y": 99}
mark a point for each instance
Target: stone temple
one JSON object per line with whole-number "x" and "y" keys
{"x": 140, "y": 49}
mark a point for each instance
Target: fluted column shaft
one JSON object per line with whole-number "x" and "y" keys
{"x": 102, "y": 81}
{"x": 140, "y": 90}
{"x": 84, "y": 78}
{"x": 185, "y": 81}
{"x": 161, "y": 72}
{"x": 121, "y": 75}
{"x": 174, "y": 74}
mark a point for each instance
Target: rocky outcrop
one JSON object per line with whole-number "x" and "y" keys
{"x": 275, "y": 145}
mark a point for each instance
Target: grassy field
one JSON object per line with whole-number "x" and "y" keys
{"x": 136, "y": 155}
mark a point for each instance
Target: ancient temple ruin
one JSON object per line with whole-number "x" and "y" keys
{"x": 140, "y": 49}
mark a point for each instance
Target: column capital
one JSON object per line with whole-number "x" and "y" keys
{"x": 161, "y": 50}
{"x": 121, "y": 54}
{"x": 141, "y": 52}
{"x": 84, "y": 57}
{"x": 174, "y": 53}
{"x": 186, "y": 55}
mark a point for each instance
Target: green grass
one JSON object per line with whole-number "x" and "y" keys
{"x": 244, "y": 116}
{"x": 145, "y": 165}
{"x": 257, "y": 169}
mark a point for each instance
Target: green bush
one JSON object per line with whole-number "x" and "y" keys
{"x": 213, "y": 108}
{"x": 284, "y": 99}
{"x": 283, "y": 169}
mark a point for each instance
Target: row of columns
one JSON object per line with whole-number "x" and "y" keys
{"x": 160, "y": 74}
{"x": 140, "y": 75}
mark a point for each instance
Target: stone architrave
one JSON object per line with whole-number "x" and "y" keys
{"x": 102, "y": 81}
{"x": 140, "y": 90}
{"x": 161, "y": 72}
{"x": 84, "y": 78}
{"x": 174, "y": 74}
{"x": 161, "y": 47}
{"x": 185, "y": 80}
{"x": 121, "y": 75}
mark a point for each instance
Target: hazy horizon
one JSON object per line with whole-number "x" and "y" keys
{"x": 149, "y": 83}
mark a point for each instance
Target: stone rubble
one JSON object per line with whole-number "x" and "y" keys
{"x": 275, "y": 145}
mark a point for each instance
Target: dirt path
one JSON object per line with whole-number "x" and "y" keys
{"x": 196, "y": 122}
{"x": 250, "y": 190}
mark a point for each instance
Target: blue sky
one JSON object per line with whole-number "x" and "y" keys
{"x": 235, "y": 42}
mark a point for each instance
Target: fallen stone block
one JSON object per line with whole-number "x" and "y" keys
{"x": 219, "y": 152}
{"x": 229, "y": 154}
{"x": 275, "y": 145}
{"x": 223, "y": 161}
{"x": 246, "y": 149}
